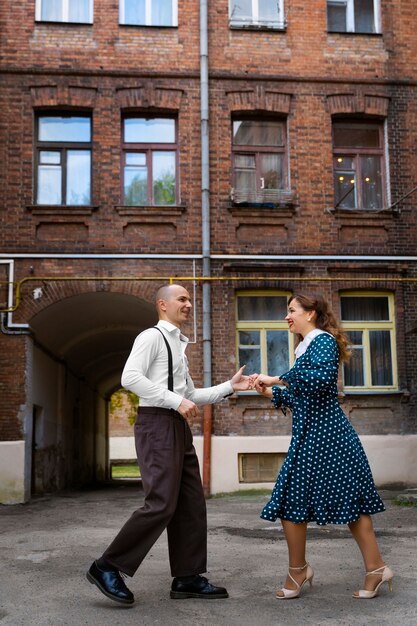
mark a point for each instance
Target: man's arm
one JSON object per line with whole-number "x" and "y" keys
{"x": 145, "y": 350}
{"x": 209, "y": 395}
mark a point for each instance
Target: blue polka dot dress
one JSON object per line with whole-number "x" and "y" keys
{"x": 326, "y": 477}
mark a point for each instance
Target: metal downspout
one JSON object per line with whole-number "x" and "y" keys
{"x": 205, "y": 237}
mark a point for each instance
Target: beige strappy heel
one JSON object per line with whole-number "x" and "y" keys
{"x": 386, "y": 577}
{"x": 294, "y": 593}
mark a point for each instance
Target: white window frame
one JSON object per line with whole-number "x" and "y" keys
{"x": 65, "y": 13}
{"x": 148, "y": 15}
{"x": 255, "y": 22}
{"x": 366, "y": 326}
{"x": 350, "y": 15}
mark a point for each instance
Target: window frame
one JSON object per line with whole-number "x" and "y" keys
{"x": 148, "y": 15}
{"x": 350, "y": 17}
{"x": 263, "y": 326}
{"x": 278, "y": 24}
{"x": 148, "y": 149}
{"x": 63, "y": 147}
{"x": 65, "y": 13}
{"x": 365, "y": 327}
{"x": 356, "y": 153}
{"x": 257, "y": 151}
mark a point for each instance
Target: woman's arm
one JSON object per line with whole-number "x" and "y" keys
{"x": 321, "y": 373}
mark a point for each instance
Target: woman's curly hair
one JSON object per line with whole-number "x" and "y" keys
{"x": 325, "y": 320}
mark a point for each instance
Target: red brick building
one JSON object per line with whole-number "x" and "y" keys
{"x": 292, "y": 169}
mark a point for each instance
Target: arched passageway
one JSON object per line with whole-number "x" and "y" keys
{"x": 79, "y": 349}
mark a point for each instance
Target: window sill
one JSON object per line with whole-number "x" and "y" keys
{"x": 277, "y": 26}
{"x": 352, "y": 32}
{"x": 377, "y": 392}
{"x": 64, "y": 209}
{"x": 164, "y": 26}
{"x": 175, "y": 210}
{"x": 63, "y": 23}
{"x": 364, "y": 213}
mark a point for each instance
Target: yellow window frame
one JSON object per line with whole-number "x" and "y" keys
{"x": 365, "y": 327}
{"x": 263, "y": 326}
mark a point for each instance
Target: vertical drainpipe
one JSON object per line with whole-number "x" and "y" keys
{"x": 205, "y": 237}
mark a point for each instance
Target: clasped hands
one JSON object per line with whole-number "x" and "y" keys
{"x": 240, "y": 382}
{"x": 263, "y": 384}
{"x": 260, "y": 382}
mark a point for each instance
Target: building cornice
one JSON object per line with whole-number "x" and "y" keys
{"x": 214, "y": 75}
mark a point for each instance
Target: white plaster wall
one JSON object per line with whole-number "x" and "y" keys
{"x": 393, "y": 458}
{"x": 224, "y": 460}
{"x": 121, "y": 448}
{"x": 12, "y": 472}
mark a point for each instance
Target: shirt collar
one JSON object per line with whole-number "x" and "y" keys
{"x": 171, "y": 328}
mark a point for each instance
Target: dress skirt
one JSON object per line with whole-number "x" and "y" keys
{"x": 326, "y": 476}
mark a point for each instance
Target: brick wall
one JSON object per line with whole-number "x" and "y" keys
{"x": 304, "y": 75}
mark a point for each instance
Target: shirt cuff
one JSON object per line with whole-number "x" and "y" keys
{"x": 229, "y": 391}
{"x": 173, "y": 400}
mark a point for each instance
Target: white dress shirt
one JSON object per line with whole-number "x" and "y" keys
{"x": 146, "y": 371}
{"x": 303, "y": 345}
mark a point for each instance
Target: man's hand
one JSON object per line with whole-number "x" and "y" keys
{"x": 240, "y": 382}
{"x": 188, "y": 409}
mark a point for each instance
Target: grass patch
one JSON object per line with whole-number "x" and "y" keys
{"x": 404, "y": 501}
{"x": 242, "y": 493}
{"x": 125, "y": 471}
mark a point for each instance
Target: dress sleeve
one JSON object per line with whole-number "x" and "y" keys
{"x": 282, "y": 398}
{"x": 319, "y": 373}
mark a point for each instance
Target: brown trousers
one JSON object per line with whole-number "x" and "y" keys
{"x": 174, "y": 498}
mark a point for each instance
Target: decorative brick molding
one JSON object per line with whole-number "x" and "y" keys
{"x": 62, "y": 95}
{"x": 148, "y": 96}
{"x": 259, "y": 99}
{"x": 350, "y": 103}
{"x": 152, "y": 213}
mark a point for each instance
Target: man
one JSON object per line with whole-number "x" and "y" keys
{"x": 167, "y": 459}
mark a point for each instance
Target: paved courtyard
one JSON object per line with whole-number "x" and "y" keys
{"x": 46, "y": 546}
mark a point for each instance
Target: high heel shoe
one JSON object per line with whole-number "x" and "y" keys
{"x": 386, "y": 577}
{"x": 294, "y": 593}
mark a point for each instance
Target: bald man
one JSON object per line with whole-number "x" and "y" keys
{"x": 157, "y": 371}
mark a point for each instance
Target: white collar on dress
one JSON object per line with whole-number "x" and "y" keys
{"x": 303, "y": 345}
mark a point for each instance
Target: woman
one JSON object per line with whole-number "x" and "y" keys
{"x": 325, "y": 477}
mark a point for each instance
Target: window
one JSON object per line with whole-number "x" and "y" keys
{"x": 259, "y": 160}
{"x": 263, "y": 340}
{"x": 63, "y": 160}
{"x": 77, "y": 11}
{"x": 369, "y": 323}
{"x": 149, "y": 161}
{"x": 353, "y": 16}
{"x": 358, "y": 165}
{"x": 257, "y": 13}
{"x": 149, "y": 12}
{"x": 260, "y": 467}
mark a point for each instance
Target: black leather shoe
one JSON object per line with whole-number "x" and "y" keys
{"x": 196, "y": 587}
{"x": 110, "y": 583}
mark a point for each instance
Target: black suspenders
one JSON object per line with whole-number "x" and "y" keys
{"x": 170, "y": 368}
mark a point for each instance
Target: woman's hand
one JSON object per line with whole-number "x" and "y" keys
{"x": 266, "y": 381}
{"x": 263, "y": 383}
{"x": 264, "y": 391}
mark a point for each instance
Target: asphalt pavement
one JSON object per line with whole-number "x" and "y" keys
{"x": 47, "y": 545}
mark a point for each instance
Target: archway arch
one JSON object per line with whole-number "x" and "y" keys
{"x": 80, "y": 344}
